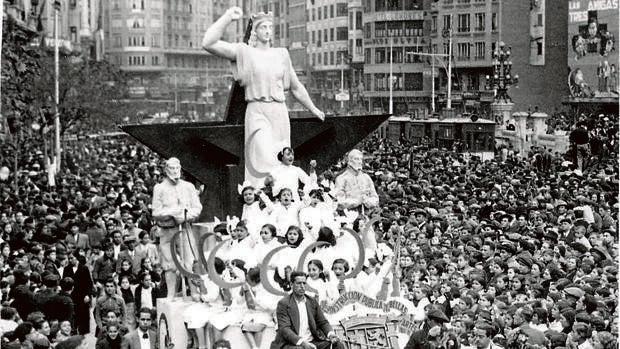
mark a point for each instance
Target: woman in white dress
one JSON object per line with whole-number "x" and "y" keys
{"x": 316, "y": 215}
{"x": 260, "y": 309}
{"x": 265, "y": 73}
{"x": 253, "y": 214}
{"x": 217, "y": 306}
{"x": 317, "y": 280}
{"x": 287, "y": 175}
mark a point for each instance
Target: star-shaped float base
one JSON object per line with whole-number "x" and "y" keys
{"x": 213, "y": 152}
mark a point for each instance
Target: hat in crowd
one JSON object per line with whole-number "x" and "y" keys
{"x": 598, "y": 252}
{"x": 551, "y": 235}
{"x": 574, "y": 292}
{"x": 438, "y": 316}
{"x": 582, "y": 223}
{"x": 419, "y": 211}
{"x": 559, "y": 203}
{"x": 129, "y": 238}
{"x": 579, "y": 247}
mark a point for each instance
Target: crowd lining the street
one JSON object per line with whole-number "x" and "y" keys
{"x": 517, "y": 251}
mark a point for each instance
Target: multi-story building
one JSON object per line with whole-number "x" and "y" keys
{"x": 394, "y": 31}
{"x": 79, "y": 28}
{"x": 158, "y": 43}
{"x": 537, "y": 42}
{"x": 328, "y": 53}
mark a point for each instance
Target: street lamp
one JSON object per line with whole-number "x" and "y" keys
{"x": 502, "y": 77}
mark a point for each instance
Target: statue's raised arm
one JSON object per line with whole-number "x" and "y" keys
{"x": 265, "y": 73}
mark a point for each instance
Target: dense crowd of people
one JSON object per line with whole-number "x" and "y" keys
{"x": 503, "y": 252}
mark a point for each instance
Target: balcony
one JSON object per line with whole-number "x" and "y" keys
{"x": 479, "y": 29}
{"x": 463, "y": 30}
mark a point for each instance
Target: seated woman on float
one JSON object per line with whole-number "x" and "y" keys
{"x": 221, "y": 307}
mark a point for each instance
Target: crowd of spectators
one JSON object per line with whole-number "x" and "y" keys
{"x": 501, "y": 250}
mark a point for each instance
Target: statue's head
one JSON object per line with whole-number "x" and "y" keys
{"x": 262, "y": 28}
{"x": 355, "y": 159}
{"x": 173, "y": 169}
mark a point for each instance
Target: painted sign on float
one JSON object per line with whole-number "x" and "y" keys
{"x": 593, "y": 50}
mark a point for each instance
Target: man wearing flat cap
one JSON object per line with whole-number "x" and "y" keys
{"x": 175, "y": 203}
{"x": 431, "y": 327}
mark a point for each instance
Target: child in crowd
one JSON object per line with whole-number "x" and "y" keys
{"x": 317, "y": 280}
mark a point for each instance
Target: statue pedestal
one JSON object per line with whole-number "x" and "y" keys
{"x": 520, "y": 119}
{"x": 538, "y": 120}
{"x": 504, "y": 110}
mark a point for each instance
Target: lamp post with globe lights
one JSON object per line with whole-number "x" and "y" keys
{"x": 502, "y": 77}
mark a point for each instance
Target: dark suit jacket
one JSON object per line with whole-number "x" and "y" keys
{"x": 83, "y": 283}
{"x": 288, "y": 322}
{"x": 132, "y": 341}
{"x": 62, "y": 307}
{"x": 138, "y": 297}
{"x": 83, "y": 241}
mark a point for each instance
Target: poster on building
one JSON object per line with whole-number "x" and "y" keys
{"x": 593, "y": 51}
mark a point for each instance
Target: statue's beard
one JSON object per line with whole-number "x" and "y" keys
{"x": 174, "y": 176}
{"x": 356, "y": 167}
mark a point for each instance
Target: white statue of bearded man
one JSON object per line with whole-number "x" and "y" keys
{"x": 354, "y": 188}
{"x": 175, "y": 202}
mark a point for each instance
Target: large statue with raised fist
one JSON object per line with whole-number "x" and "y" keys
{"x": 265, "y": 73}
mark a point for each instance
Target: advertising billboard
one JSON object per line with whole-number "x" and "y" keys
{"x": 593, "y": 51}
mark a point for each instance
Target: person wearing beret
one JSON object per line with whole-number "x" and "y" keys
{"x": 431, "y": 328}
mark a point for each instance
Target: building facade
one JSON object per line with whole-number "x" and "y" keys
{"x": 79, "y": 27}
{"x": 158, "y": 43}
{"x": 394, "y": 31}
{"x": 536, "y": 41}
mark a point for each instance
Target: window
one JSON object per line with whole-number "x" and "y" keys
{"x": 447, "y": 22}
{"x": 326, "y": 35}
{"x": 380, "y": 56}
{"x": 414, "y": 82}
{"x": 367, "y": 54}
{"x": 480, "y": 19}
{"x": 395, "y": 29}
{"x": 342, "y": 9}
{"x": 410, "y": 57}
{"x": 413, "y": 4}
{"x": 381, "y": 82}
{"x": 358, "y": 20}
{"x": 397, "y": 55}
{"x": 494, "y": 21}
{"x": 72, "y": 3}
{"x": 394, "y": 5}
{"x": 325, "y": 13}
{"x": 331, "y": 11}
{"x": 434, "y": 24}
{"x": 342, "y": 33}
{"x": 319, "y": 56}
{"x": 380, "y": 5}
{"x": 313, "y": 14}
{"x": 367, "y": 31}
{"x": 480, "y": 50}
{"x": 319, "y": 10}
{"x": 380, "y": 30}
{"x": 155, "y": 40}
{"x": 540, "y": 20}
{"x": 73, "y": 34}
{"x": 463, "y": 23}
{"x": 359, "y": 47}
{"x": 414, "y": 28}
{"x": 313, "y": 37}
{"x": 332, "y": 61}
{"x": 331, "y": 34}
{"x": 325, "y": 58}
{"x": 117, "y": 41}
{"x": 154, "y": 60}
{"x": 539, "y": 48}
{"x": 463, "y": 51}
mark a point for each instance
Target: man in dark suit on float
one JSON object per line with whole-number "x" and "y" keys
{"x": 301, "y": 323}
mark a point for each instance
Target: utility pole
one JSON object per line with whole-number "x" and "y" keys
{"x": 433, "y": 55}
{"x": 56, "y": 87}
{"x": 449, "y": 103}
{"x": 391, "y": 105}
